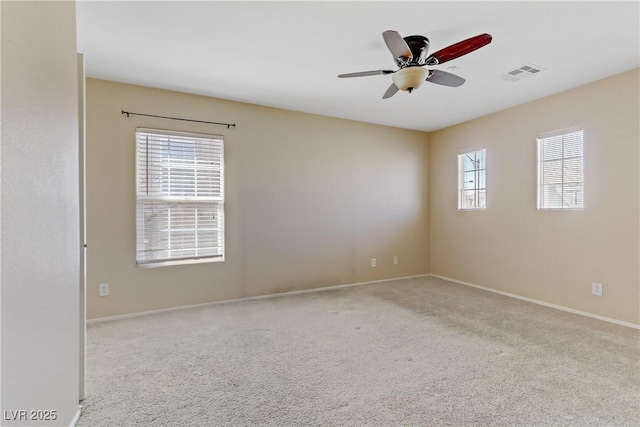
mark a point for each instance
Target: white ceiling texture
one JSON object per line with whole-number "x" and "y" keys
{"x": 288, "y": 54}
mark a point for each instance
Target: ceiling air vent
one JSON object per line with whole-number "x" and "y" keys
{"x": 522, "y": 72}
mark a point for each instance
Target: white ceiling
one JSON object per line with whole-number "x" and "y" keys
{"x": 288, "y": 54}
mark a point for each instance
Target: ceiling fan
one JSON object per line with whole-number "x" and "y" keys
{"x": 410, "y": 54}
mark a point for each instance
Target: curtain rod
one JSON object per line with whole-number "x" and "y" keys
{"x": 228, "y": 125}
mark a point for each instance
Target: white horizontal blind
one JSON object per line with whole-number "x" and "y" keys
{"x": 472, "y": 180}
{"x": 561, "y": 170}
{"x": 179, "y": 196}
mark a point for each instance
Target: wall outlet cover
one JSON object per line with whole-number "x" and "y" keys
{"x": 103, "y": 289}
{"x": 596, "y": 289}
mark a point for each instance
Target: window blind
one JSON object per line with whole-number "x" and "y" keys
{"x": 561, "y": 170}
{"x": 179, "y": 196}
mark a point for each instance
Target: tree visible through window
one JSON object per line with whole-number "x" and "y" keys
{"x": 560, "y": 170}
{"x": 179, "y": 197}
{"x": 472, "y": 182}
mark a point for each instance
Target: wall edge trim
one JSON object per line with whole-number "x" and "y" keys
{"x": 246, "y": 299}
{"x": 76, "y": 417}
{"x": 543, "y": 303}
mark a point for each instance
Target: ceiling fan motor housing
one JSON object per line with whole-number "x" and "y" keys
{"x": 419, "y": 47}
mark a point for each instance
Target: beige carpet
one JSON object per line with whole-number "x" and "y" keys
{"x": 412, "y": 352}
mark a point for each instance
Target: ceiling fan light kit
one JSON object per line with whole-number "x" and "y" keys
{"x": 410, "y": 54}
{"x": 409, "y": 78}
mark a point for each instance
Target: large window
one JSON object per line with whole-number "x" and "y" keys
{"x": 179, "y": 197}
{"x": 472, "y": 181}
{"x": 560, "y": 170}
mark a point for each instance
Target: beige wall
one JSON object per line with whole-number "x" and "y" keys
{"x": 40, "y": 235}
{"x": 552, "y": 256}
{"x": 309, "y": 201}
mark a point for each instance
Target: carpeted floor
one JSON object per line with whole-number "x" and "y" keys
{"x": 411, "y": 352}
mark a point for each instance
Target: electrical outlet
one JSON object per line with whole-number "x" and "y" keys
{"x": 373, "y": 262}
{"x": 103, "y": 290}
{"x": 596, "y": 289}
{"x": 395, "y": 259}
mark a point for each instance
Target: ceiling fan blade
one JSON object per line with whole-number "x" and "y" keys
{"x": 397, "y": 46}
{"x": 458, "y": 49}
{"x": 366, "y": 73}
{"x": 393, "y": 89}
{"x": 445, "y": 79}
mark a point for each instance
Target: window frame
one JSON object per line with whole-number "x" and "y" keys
{"x": 476, "y": 188}
{"x": 168, "y": 199}
{"x": 540, "y": 170}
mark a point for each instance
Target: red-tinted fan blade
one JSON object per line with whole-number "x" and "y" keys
{"x": 393, "y": 89}
{"x": 457, "y": 50}
{"x": 445, "y": 79}
{"x": 397, "y": 46}
{"x": 366, "y": 73}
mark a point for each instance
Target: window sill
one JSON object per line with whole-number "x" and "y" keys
{"x": 180, "y": 262}
{"x": 560, "y": 209}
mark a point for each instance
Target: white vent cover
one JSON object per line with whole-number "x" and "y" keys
{"x": 520, "y": 73}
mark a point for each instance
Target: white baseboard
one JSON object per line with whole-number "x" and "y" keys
{"x": 75, "y": 419}
{"x": 235, "y": 300}
{"x": 546, "y": 304}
